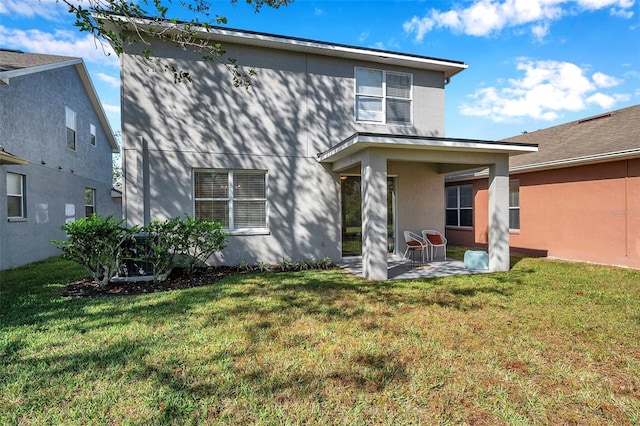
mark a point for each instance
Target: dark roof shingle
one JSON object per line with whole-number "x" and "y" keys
{"x": 13, "y": 60}
{"x": 612, "y": 132}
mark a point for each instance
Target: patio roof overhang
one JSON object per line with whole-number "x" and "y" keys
{"x": 7, "y": 158}
{"x": 451, "y": 153}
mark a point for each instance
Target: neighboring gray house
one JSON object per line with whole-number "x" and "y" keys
{"x": 334, "y": 150}
{"x": 55, "y": 160}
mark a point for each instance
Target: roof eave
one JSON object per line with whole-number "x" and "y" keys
{"x": 449, "y": 68}
{"x": 361, "y": 141}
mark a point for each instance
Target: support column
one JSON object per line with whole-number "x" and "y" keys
{"x": 499, "y": 215}
{"x": 374, "y": 216}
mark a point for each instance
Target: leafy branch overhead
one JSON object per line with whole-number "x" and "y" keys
{"x": 124, "y": 23}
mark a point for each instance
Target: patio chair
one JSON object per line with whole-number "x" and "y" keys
{"x": 434, "y": 239}
{"x": 414, "y": 243}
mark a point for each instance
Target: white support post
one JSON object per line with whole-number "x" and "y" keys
{"x": 374, "y": 216}
{"x": 499, "y": 215}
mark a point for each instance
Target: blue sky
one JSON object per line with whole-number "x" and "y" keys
{"x": 532, "y": 63}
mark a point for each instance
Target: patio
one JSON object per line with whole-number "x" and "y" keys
{"x": 401, "y": 269}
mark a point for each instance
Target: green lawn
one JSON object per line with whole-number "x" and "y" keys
{"x": 548, "y": 343}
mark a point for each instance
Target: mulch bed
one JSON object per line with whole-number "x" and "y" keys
{"x": 177, "y": 280}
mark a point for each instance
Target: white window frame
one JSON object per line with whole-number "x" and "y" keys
{"x": 92, "y": 135}
{"x": 71, "y": 124}
{"x": 458, "y": 208}
{"x": 513, "y": 207}
{"x": 383, "y": 97}
{"x": 21, "y": 196}
{"x": 231, "y": 199}
{"x": 93, "y": 201}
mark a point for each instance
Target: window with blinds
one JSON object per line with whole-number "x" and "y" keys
{"x": 237, "y": 199}
{"x": 383, "y": 96}
{"x": 459, "y": 210}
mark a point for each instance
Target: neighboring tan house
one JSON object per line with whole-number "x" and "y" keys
{"x": 577, "y": 198}
{"x": 55, "y": 160}
{"x": 334, "y": 150}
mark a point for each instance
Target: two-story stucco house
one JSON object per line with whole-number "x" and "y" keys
{"x": 334, "y": 150}
{"x": 55, "y": 161}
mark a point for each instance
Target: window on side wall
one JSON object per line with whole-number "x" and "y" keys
{"x": 16, "y": 201}
{"x": 237, "y": 199}
{"x": 71, "y": 128}
{"x": 383, "y": 96}
{"x": 459, "y": 211}
{"x": 89, "y": 202}
{"x": 92, "y": 134}
{"x": 514, "y": 204}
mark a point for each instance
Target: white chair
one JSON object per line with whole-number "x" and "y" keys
{"x": 414, "y": 243}
{"x": 434, "y": 239}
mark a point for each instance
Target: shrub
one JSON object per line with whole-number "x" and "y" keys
{"x": 100, "y": 244}
{"x": 185, "y": 243}
{"x": 97, "y": 244}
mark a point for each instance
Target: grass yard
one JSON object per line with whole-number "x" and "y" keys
{"x": 548, "y": 343}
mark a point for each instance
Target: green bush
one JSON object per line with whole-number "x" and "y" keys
{"x": 101, "y": 243}
{"x": 97, "y": 244}
{"x": 182, "y": 242}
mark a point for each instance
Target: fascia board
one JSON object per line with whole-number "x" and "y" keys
{"x": 5, "y": 76}
{"x": 447, "y": 67}
{"x": 97, "y": 105}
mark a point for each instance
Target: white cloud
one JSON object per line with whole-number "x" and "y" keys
{"x": 65, "y": 43}
{"x": 487, "y": 17}
{"x": 115, "y": 109}
{"x": 109, "y": 79}
{"x": 546, "y": 89}
{"x": 604, "y": 80}
{"x": 52, "y": 10}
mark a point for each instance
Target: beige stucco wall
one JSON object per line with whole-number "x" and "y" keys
{"x": 297, "y": 106}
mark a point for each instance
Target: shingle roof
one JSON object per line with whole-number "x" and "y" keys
{"x": 13, "y": 59}
{"x": 598, "y": 136}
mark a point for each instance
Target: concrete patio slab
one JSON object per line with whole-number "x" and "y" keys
{"x": 401, "y": 269}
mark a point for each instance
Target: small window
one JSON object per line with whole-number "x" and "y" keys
{"x": 92, "y": 134}
{"x": 383, "y": 96}
{"x": 89, "y": 202}
{"x": 459, "y": 211}
{"x": 514, "y": 204}
{"x": 237, "y": 199}
{"x": 16, "y": 205}
{"x": 71, "y": 128}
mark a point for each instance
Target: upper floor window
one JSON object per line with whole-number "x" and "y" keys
{"x": 459, "y": 205}
{"x": 237, "y": 199}
{"x": 92, "y": 134}
{"x": 383, "y": 96}
{"x": 89, "y": 202}
{"x": 71, "y": 128}
{"x": 16, "y": 201}
{"x": 514, "y": 204}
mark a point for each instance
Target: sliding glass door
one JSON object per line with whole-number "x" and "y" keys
{"x": 352, "y": 215}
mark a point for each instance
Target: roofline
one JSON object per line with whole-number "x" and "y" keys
{"x": 97, "y": 105}
{"x": 254, "y": 38}
{"x": 8, "y": 158}
{"x": 431, "y": 142}
{"x": 5, "y": 76}
{"x": 557, "y": 164}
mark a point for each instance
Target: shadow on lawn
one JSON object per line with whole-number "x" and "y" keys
{"x": 263, "y": 305}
